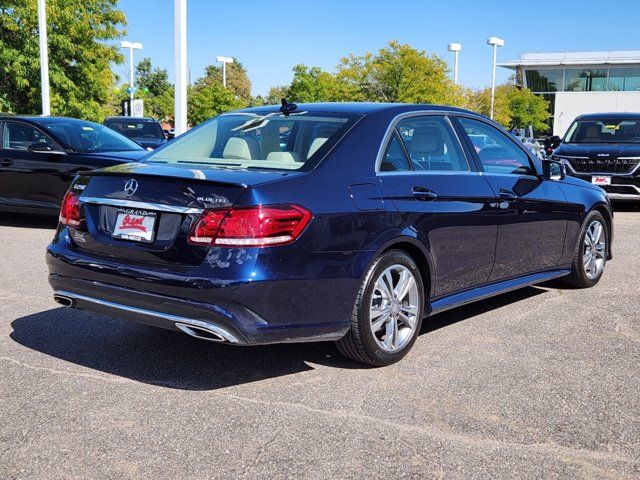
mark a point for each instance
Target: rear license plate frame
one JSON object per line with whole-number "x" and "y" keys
{"x": 140, "y": 220}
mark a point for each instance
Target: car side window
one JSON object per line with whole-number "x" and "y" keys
{"x": 497, "y": 153}
{"x": 19, "y": 136}
{"x": 394, "y": 159}
{"x": 432, "y": 144}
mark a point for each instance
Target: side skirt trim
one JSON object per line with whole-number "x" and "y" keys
{"x": 480, "y": 293}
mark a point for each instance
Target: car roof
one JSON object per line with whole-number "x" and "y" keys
{"x": 620, "y": 115}
{"x": 39, "y": 118}
{"x": 357, "y": 108}
{"x": 127, "y": 118}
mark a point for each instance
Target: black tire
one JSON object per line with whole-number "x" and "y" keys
{"x": 578, "y": 278}
{"x": 359, "y": 343}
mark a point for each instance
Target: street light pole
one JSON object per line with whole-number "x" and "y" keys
{"x": 131, "y": 46}
{"x": 44, "y": 58}
{"x": 180, "y": 52}
{"x": 495, "y": 42}
{"x": 224, "y": 61}
{"x": 455, "y": 48}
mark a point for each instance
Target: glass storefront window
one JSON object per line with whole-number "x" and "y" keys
{"x": 544, "y": 80}
{"x": 624, "y": 79}
{"x": 585, "y": 79}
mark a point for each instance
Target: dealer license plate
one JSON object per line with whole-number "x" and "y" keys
{"x": 136, "y": 225}
{"x": 601, "y": 180}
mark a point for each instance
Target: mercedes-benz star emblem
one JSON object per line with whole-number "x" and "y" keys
{"x": 130, "y": 187}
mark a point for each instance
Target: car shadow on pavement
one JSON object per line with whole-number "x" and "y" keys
{"x": 456, "y": 315}
{"x": 174, "y": 360}
{"x": 28, "y": 220}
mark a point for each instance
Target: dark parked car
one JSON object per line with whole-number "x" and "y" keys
{"x": 145, "y": 131}
{"x": 367, "y": 219}
{"x": 39, "y": 156}
{"x": 604, "y": 149}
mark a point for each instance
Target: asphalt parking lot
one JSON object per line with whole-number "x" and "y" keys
{"x": 540, "y": 383}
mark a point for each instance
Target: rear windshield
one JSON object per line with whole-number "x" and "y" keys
{"x": 136, "y": 129}
{"x": 604, "y": 131}
{"x": 252, "y": 141}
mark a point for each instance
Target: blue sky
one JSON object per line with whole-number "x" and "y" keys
{"x": 269, "y": 37}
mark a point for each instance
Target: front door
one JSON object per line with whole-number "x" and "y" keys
{"x": 30, "y": 179}
{"x": 533, "y": 212}
{"x": 442, "y": 197}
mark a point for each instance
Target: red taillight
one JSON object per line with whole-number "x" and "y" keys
{"x": 250, "y": 226}
{"x": 70, "y": 210}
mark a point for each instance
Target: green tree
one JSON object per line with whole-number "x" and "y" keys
{"x": 398, "y": 73}
{"x": 155, "y": 80}
{"x": 206, "y": 101}
{"x": 276, "y": 94}
{"x": 237, "y": 79}
{"x": 528, "y": 109}
{"x": 80, "y": 58}
{"x": 315, "y": 85}
{"x": 513, "y": 107}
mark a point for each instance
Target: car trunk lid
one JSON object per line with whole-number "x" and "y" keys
{"x": 143, "y": 212}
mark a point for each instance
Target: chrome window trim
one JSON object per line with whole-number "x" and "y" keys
{"x": 386, "y": 138}
{"x": 431, "y": 172}
{"x": 117, "y": 202}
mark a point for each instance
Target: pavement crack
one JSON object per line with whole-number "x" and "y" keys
{"x": 550, "y": 448}
{"x": 261, "y": 452}
{"x": 69, "y": 374}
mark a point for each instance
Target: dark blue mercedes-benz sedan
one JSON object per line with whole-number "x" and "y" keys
{"x": 342, "y": 222}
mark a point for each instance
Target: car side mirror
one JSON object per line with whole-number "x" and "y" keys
{"x": 43, "y": 147}
{"x": 552, "y": 170}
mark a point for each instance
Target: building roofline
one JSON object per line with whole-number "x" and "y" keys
{"x": 561, "y": 59}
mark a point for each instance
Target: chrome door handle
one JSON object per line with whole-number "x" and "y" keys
{"x": 424, "y": 194}
{"x": 6, "y": 162}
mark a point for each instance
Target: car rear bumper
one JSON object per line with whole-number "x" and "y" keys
{"x": 242, "y": 312}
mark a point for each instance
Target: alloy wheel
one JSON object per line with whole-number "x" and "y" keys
{"x": 393, "y": 312}
{"x": 593, "y": 258}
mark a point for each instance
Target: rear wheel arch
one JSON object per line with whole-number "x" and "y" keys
{"x": 419, "y": 254}
{"x": 606, "y": 214}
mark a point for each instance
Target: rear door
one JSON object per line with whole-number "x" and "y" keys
{"x": 30, "y": 179}
{"x": 533, "y": 212}
{"x": 441, "y": 195}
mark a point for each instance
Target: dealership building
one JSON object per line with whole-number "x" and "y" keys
{"x": 581, "y": 82}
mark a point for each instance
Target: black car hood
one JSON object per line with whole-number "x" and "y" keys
{"x": 598, "y": 150}
{"x": 124, "y": 156}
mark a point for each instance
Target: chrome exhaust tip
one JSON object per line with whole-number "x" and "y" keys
{"x": 64, "y": 300}
{"x": 210, "y": 333}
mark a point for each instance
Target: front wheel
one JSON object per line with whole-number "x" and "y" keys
{"x": 590, "y": 256}
{"x": 387, "y": 315}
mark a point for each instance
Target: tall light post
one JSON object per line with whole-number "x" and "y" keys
{"x": 224, "y": 61}
{"x": 180, "y": 53}
{"x": 455, "y": 48}
{"x": 131, "y": 46}
{"x": 44, "y": 57}
{"x": 495, "y": 42}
